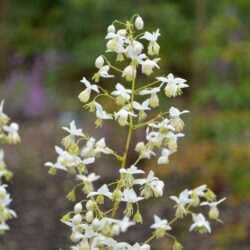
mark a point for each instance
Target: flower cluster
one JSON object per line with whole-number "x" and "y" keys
{"x": 93, "y": 226}
{"x": 8, "y": 135}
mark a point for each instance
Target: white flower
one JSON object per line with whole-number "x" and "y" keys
{"x": 142, "y": 108}
{"x": 151, "y": 177}
{"x": 85, "y": 94}
{"x": 90, "y": 178}
{"x": 129, "y": 73}
{"x": 103, "y": 71}
{"x": 103, "y": 190}
{"x": 56, "y": 165}
{"x": 130, "y": 196}
{"x": 174, "y": 112}
{"x": 137, "y": 246}
{"x": 153, "y": 47}
{"x": 172, "y": 140}
{"x": 73, "y": 130}
{"x": 200, "y": 224}
{"x": 139, "y": 23}
{"x": 153, "y": 100}
{"x": 181, "y": 202}
{"x": 116, "y": 42}
{"x": 101, "y": 147}
{"x": 131, "y": 171}
{"x": 174, "y": 85}
{"x": 124, "y": 224}
{"x": 100, "y": 113}
{"x": 214, "y": 211}
{"x": 176, "y": 121}
{"x": 99, "y": 62}
{"x": 12, "y": 130}
{"x": 160, "y": 224}
{"x": 123, "y": 95}
{"x": 148, "y": 65}
{"x": 122, "y": 116}
{"x": 196, "y": 193}
{"x": 163, "y": 159}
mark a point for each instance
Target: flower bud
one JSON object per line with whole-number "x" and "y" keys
{"x": 138, "y": 47}
{"x": 139, "y": 23}
{"x": 90, "y": 205}
{"x": 96, "y": 223}
{"x": 122, "y": 32}
{"x": 78, "y": 208}
{"x": 115, "y": 230}
{"x": 111, "y": 28}
{"x": 177, "y": 246}
{"x": 77, "y": 219}
{"x": 139, "y": 146}
{"x": 99, "y": 62}
{"x": 89, "y": 216}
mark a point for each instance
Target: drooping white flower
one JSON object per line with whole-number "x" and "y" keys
{"x": 214, "y": 211}
{"x": 141, "y": 108}
{"x": 181, "y": 202}
{"x": 122, "y": 94}
{"x": 100, "y": 147}
{"x": 103, "y": 71}
{"x": 90, "y": 178}
{"x": 153, "y": 100}
{"x": 129, "y": 73}
{"x": 116, "y": 42}
{"x": 200, "y": 224}
{"x": 130, "y": 196}
{"x": 131, "y": 170}
{"x": 73, "y": 130}
{"x": 174, "y": 85}
{"x": 122, "y": 116}
{"x": 137, "y": 246}
{"x": 85, "y": 94}
{"x": 101, "y": 114}
{"x": 163, "y": 159}
{"x": 103, "y": 190}
{"x": 172, "y": 140}
{"x": 124, "y": 224}
{"x": 148, "y": 66}
{"x": 176, "y": 121}
{"x": 160, "y": 224}
{"x": 153, "y": 47}
{"x": 196, "y": 193}
{"x": 13, "y": 136}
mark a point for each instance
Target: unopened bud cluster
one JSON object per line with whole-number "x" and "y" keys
{"x": 92, "y": 225}
{"x": 8, "y": 135}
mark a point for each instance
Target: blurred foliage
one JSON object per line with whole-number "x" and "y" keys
{"x": 55, "y": 43}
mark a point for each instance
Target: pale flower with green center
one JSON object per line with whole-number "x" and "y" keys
{"x": 85, "y": 94}
{"x": 200, "y": 224}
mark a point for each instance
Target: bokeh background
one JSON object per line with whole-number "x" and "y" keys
{"x": 47, "y": 46}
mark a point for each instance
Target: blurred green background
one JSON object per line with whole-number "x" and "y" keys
{"x": 47, "y": 46}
